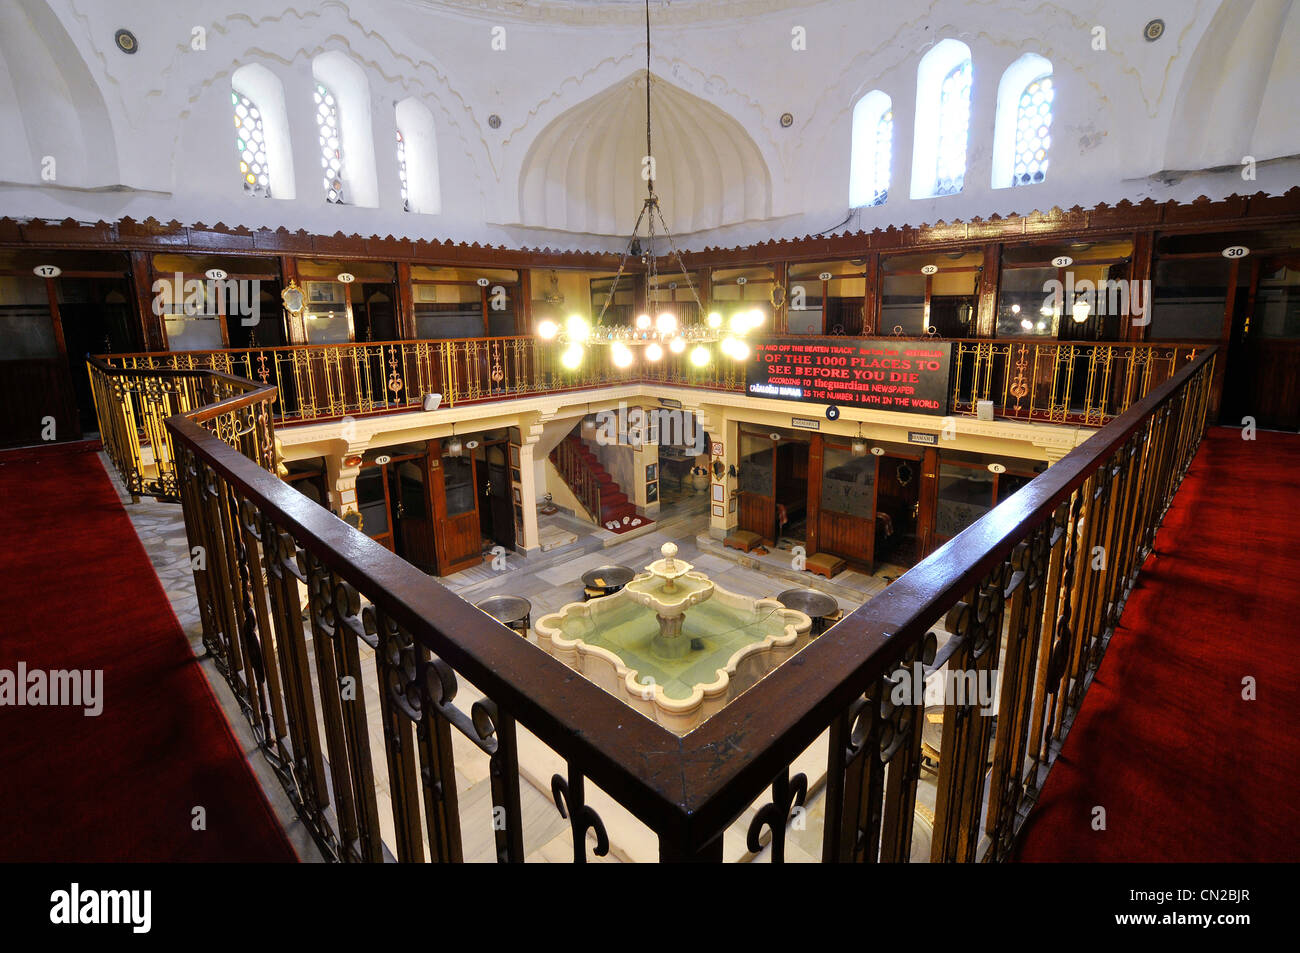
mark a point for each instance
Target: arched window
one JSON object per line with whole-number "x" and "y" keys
{"x": 417, "y": 157}
{"x": 347, "y": 132}
{"x": 872, "y": 150}
{"x": 331, "y": 143}
{"x": 250, "y": 142}
{"x": 943, "y": 98}
{"x": 262, "y": 132}
{"x": 1022, "y": 131}
{"x": 954, "y": 130}
{"x": 401, "y": 171}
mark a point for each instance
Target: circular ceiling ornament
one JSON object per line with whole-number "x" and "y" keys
{"x": 494, "y": 121}
{"x": 787, "y": 120}
{"x": 1153, "y": 31}
{"x": 126, "y": 41}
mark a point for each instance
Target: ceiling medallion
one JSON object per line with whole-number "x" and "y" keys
{"x": 1154, "y": 30}
{"x": 126, "y": 41}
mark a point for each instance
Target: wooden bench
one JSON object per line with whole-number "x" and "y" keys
{"x": 824, "y": 564}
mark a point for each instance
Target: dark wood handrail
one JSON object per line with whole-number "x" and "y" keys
{"x": 687, "y": 788}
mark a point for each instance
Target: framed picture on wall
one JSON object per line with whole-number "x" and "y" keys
{"x": 514, "y": 455}
{"x": 719, "y": 493}
{"x": 651, "y": 472}
{"x": 717, "y": 448}
{"x": 731, "y": 505}
{"x": 652, "y": 492}
{"x": 717, "y": 510}
{"x": 519, "y": 499}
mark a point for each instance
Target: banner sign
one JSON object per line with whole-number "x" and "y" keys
{"x": 879, "y": 374}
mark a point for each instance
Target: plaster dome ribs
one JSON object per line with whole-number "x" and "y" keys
{"x": 583, "y": 171}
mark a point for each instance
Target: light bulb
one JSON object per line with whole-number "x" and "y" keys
{"x": 547, "y": 330}
{"x": 715, "y": 319}
{"x": 677, "y": 345}
{"x": 739, "y": 350}
{"x": 700, "y": 355}
{"x": 621, "y": 354}
{"x": 654, "y": 352}
{"x": 643, "y": 322}
{"x": 666, "y": 323}
{"x": 572, "y": 356}
{"x": 1027, "y": 324}
{"x": 739, "y": 322}
{"x": 1015, "y": 309}
{"x": 576, "y": 328}
{"x": 756, "y": 319}
{"x": 1080, "y": 311}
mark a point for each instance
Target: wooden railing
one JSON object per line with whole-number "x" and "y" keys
{"x": 577, "y": 476}
{"x": 1032, "y": 591}
{"x": 1083, "y": 383}
{"x": 133, "y": 403}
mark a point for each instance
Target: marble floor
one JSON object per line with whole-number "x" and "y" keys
{"x": 548, "y": 580}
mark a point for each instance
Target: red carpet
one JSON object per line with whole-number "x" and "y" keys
{"x": 79, "y": 593}
{"x": 1186, "y": 769}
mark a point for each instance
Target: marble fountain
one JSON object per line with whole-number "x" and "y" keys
{"x": 672, "y": 643}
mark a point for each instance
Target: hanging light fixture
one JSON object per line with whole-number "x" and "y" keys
{"x": 654, "y": 329}
{"x": 859, "y": 445}
{"x": 454, "y": 447}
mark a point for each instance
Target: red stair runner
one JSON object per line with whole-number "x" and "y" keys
{"x": 616, "y": 510}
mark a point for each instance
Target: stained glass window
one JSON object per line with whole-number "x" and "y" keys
{"x": 1033, "y": 128}
{"x": 954, "y": 125}
{"x": 250, "y": 141}
{"x": 884, "y": 154}
{"x": 331, "y": 146}
{"x": 401, "y": 171}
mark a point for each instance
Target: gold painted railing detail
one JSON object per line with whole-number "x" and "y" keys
{"x": 132, "y": 404}
{"x": 1067, "y": 383}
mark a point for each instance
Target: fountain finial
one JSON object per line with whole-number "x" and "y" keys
{"x": 668, "y": 551}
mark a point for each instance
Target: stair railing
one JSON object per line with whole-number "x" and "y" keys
{"x": 578, "y": 476}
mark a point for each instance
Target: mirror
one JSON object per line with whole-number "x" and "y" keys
{"x": 292, "y": 299}
{"x": 718, "y": 469}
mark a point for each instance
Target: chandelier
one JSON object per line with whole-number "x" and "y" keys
{"x": 655, "y": 331}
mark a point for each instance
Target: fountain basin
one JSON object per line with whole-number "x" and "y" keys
{"x": 723, "y": 644}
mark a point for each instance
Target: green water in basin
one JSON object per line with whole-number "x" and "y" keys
{"x": 628, "y": 630}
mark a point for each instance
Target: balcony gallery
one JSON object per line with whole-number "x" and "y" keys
{"x": 638, "y": 516}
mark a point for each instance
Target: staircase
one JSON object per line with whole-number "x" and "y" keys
{"x": 591, "y": 482}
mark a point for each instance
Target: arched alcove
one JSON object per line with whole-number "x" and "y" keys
{"x": 60, "y": 111}
{"x": 583, "y": 171}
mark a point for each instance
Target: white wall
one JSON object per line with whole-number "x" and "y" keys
{"x": 150, "y": 134}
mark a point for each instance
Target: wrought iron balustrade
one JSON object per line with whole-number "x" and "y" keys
{"x": 1055, "y": 382}
{"x": 1019, "y": 592}
{"x": 132, "y": 404}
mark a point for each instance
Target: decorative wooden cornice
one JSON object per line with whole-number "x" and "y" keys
{"x": 1125, "y": 216}
{"x": 1235, "y": 211}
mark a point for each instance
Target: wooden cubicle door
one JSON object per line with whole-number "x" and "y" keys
{"x": 454, "y": 494}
